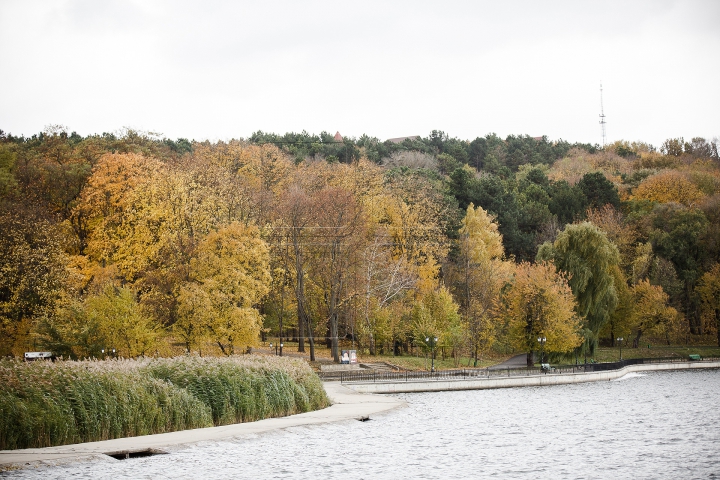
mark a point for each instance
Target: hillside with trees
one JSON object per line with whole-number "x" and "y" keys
{"x": 151, "y": 246}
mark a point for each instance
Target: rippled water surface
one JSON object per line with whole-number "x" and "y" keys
{"x": 654, "y": 425}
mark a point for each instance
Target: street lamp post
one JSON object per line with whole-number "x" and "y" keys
{"x": 620, "y": 340}
{"x": 280, "y": 345}
{"x": 541, "y": 341}
{"x": 432, "y": 342}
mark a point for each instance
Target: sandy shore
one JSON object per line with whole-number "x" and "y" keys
{"x": 346, "y": 405}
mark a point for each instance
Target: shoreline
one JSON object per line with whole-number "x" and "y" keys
{"x": 347, "y": 404}
{"x": 350, "y": 401}
{"x": 482, "y": 383}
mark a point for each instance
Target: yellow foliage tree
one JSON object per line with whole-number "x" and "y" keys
{"x": 416, "y": 236}
{"x": 668, "y": 186}
{"x": 437, "y": 316}
{"x": 479, "y": 276}
{"x": 121, "y": 323}
{"x": 540, "y": 304}
{"x": 709, "y": 291}
{"x": 106, "y": 198}
{"x": 651, "y": 312}
{"x": 229, "y": 276}
{"x": 110, "y": 322}
{"x": 484, "y": 242}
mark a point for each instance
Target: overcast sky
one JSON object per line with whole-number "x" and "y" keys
{"x": 224, "y": 69}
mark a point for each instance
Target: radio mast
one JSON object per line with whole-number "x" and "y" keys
{"x": 602, "y": 116}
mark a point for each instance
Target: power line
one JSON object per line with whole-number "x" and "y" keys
{"x": 284, "y": 142}
{"x": 602, "y": 116}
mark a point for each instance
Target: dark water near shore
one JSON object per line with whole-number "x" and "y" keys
{"x": 654, "y": 425}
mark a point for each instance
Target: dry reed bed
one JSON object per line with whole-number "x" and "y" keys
{"x": 45, "y": 404}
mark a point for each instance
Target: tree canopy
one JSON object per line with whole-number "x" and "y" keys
{"x": 587, "y": 256}
{"x": 145, "y": 244}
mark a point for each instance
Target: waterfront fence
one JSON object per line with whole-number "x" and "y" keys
{"x": 374, "y": 376}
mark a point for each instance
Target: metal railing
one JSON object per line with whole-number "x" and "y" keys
{"x": 601, "y": 367}
{"x": 373, "y": 376}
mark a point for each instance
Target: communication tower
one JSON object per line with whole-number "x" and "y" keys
{"x": 602, "y": 116}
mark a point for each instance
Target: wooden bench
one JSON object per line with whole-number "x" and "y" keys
{"x": 694, "y": 356}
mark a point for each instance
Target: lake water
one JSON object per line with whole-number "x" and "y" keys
{"x": 653, "y": 425}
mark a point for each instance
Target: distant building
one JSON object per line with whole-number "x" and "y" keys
{"x": 338, "y": 137}
{"x": 402, "y": 139}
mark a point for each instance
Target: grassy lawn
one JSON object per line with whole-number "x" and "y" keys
{"x": 415, "y": 361}
{"x": 655, "y": 351}
{"x": 421, "y": 362}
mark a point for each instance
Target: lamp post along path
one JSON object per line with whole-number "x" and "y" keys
{"x": 432, "y": 342}
{"x": 541, "y": 341}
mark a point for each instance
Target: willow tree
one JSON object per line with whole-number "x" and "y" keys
{"x": 540, "y": 304}
{"x": 588, "y": 257}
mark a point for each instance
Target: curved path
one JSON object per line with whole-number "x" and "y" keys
{"x": 346, "y": 405}
{"x": 518, "y": 361}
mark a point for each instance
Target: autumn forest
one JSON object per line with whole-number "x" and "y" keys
{"x": 151, "y": 246}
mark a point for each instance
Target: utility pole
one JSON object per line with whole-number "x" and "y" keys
{"x": 602, "y": 116}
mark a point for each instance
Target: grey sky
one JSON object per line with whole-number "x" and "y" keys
{"x": 223, "y": 69}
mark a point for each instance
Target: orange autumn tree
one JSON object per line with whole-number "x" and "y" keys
{"x": 622, "y": 233}
{"x": 106, "y": 200}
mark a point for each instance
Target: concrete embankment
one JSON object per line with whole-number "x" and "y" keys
{"x": 480, "y": 383}
{"x": 346, "y": 405}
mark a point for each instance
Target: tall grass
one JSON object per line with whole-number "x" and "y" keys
{"x": 244, "y": 389}
{"x": 44, "y": 404}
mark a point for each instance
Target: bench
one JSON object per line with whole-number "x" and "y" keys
{"x": 545, "y": 367}
{"x": 694, "y": 356}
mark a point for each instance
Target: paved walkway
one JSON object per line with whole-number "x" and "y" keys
{"x": 346, "y": 405}
{"x": 518, "y": 361}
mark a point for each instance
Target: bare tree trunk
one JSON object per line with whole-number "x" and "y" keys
{"x": 311, "y": 339}
{"x": 301, "y": 329}
{"x": 369, "y": 326}
{"x": 367, "y": 314}
{"x": 299, "y": 291}
{"x": 636, "y": 341}
{"x": 334, "y": 337}
{"x": 335, "y": 289}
